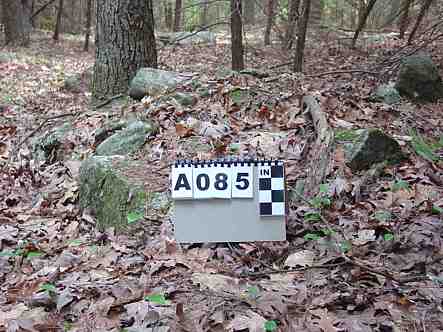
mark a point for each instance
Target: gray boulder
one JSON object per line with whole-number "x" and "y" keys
{"x": 127, "y": 140}
{"x": 113, "y": 189}
{"x": 185, "y": 37}
{"x": 154, "y": 82}
{"x": 387, "y": 94}
{"x": 419, "y": 79}
{"x": 370, "y": 147}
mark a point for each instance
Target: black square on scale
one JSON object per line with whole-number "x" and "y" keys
{"x": 266, "y": 209}
{"x": 278, "y": 196}
{"x": 265, "y": 184}
{"x": 276, "y": 171}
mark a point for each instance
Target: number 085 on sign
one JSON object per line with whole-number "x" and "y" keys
{"x": 212, "y": 180}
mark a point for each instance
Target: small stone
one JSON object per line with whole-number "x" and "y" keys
{"x": 184, "y": 99}
{"x": 387, "y": 94}
{"x": 72, "y": 84}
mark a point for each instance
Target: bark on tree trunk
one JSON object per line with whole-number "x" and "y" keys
{"x": 204, "y": 14}
{"x": 292, "y": 21}
{"x": 362, "y": 21}
{"x": 124, "y": 42}
{"x": 316, "y": 14}
{"x": 301, "y": 40}
{"x": 59, "y": 20}
{"x": 423, "y": 10}
{"x": 178, "y": 15}
{"x": 269, "y": 21}
{"x": 88, "y": 25}
{"x": 249, "y": 12}
{"x": 237, "y": 35}
{"x": 168, "y": 15}
{"x": 404, "y": 20}
{"x": 16, "y": 18}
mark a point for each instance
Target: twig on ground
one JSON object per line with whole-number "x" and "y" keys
{"x": 350, "y": 71}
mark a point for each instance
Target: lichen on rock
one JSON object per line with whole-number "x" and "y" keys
{"x": 127, "y": 140}
{"x": 371, "y": 147}
{"x": 114, "y": 189}
{"x": 419, "y": 79}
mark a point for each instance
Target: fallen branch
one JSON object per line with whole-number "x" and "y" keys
{"x": 350, "y": 71}
{"x": 323, "y": 147}
{"x": 42, "y": 8}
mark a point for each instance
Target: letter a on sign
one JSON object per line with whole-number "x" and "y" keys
{"x": 182, "y": 185}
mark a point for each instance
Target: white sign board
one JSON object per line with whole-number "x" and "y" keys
{"x": 229, "y": 201}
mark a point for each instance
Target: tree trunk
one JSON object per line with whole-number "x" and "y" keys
{"x": 269, "y": 21}
{"x": 59, "y": 21}
{"x": 204, "y": 14}
{"x": 393, "y": 12}
{"x": 168, "y": 15}
{"x": 316, "y": 14}
{"x": 362, "y": 21}
{"x": 301, "y": 40}
{"x": 16, "y": 18}
{"x": 249, "y": 12}
{"x": 178, "y": 15}
{"x": 404, "y": 20}
{"x": 423, "y": 10}
{"x": 292, "y": 21}
{"x": 237, "y": 36}
{"x": 125, "y": 42}
{"x": 88, "y": 25}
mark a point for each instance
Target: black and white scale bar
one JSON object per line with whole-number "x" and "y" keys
{"x": 271, "y": 181}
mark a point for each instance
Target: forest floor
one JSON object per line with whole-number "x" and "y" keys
{"x": 57, "y": 272}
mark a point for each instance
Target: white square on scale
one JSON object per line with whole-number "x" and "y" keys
{"x": 182, "y": 184}
{"x": 202, "y": 178}
{"x": 278, "y": 209}
{"x": 277, "y": 183}
{"x": 242, "y": 180}
{"x": 265, "y": 196}
{"x": 221, "y": 180}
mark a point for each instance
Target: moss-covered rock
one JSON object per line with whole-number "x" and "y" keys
{"x": 387, "y": 94}
{"x": 373, "y": 146}
{"x": 419, "y": 79}
{"x": 50, "y": 146}
{"x": 114, "y": 189}
{"x": 127, "y": 140}
{"x": 108, "y": 129}
{"x": 153, "y": 82}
